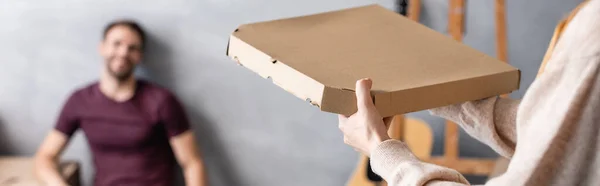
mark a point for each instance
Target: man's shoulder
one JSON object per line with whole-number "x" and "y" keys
{"x": 84, "y": 90}
{"x": 157, "y": 93}
{"x": 155, "y": 89}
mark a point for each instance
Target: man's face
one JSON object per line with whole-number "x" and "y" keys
{"x": 122, "y": 51}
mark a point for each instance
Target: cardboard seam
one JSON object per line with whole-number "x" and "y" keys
{"x": 397, "y": 110}
{"x": 474, "y": 77}
{"x": 229, "y": 42}
{"x": 227, "y": 48}
{"x": 454, "y": 81}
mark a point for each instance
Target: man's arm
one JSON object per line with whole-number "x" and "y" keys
{"x": 189, "y": 158}
{"x": 46, "y": 159}
{"x": 182, "y": 141}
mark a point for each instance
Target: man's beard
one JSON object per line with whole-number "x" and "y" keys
{"x": 121, "y": 75}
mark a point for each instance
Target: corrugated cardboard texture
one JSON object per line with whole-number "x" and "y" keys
{"x": 412, "y": 67}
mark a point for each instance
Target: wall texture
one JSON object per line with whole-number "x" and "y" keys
{"x": 250, "y": 131}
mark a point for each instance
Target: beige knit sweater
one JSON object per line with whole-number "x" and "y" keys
{"x": 552, "y": 135}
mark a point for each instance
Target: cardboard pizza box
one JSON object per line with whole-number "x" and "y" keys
{"x": 319, "y": 58}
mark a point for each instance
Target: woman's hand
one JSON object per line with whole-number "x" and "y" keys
{"x": 365, "y": 129}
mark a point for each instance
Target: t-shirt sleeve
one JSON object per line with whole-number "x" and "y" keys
{"x": 173, "y": 116}
{"x": 68, "y": 121}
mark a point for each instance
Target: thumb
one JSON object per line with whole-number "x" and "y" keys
{"x": 363, "y": 94}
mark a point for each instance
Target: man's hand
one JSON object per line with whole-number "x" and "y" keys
{"x": 365, "y": 129}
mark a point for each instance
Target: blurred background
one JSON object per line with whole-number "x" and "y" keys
{"x": 251, "y": 132}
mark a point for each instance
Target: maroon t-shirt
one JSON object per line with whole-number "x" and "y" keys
{"x": 129, "y": 140}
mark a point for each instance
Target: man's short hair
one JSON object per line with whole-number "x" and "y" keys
{"x": 131, "y": 24}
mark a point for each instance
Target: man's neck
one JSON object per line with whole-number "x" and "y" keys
{"x": 117, "y": 90}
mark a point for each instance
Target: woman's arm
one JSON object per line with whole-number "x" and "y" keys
{"x": 491, "y": 121}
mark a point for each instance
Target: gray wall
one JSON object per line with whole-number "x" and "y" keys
{"x": 251, "y": 132}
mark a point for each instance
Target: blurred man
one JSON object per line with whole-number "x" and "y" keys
{"x": 137, "y": 131}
